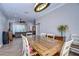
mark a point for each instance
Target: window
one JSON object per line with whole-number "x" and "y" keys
{"x": 18, "y": 28}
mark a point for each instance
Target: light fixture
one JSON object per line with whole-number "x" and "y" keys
{"x": 41, "y": 6}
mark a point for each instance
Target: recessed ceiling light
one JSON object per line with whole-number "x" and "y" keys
{"x": 41, "y": 6}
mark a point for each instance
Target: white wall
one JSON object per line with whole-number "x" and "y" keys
{"x": 3, "y": 25}
{"x": 67, "y": 14}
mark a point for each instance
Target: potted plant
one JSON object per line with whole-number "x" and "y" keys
{"x": 62, "y": 29}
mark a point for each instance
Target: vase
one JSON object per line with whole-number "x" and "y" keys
{"x": 63, "y": 35}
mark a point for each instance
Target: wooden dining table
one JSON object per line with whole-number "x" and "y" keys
{"x": 46, "y": 47}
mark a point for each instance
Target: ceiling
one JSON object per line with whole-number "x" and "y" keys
{"x": 25, "y": 10}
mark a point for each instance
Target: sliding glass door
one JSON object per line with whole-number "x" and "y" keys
{"x": 18, "y": 27}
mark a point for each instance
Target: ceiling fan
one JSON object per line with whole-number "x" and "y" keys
{"x": 21, "y": 21}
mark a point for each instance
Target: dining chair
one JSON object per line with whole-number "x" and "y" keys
{"x": 27, "y": 50}
{"x": 43, "y": 35}
{"x": 75, "y": 38}
{"x": 51, "y": 36}
{"x": 75, "y": 43}
{"x": 66, "y": 48}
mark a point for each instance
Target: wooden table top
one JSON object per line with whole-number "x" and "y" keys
{"x": 46, "y": 47}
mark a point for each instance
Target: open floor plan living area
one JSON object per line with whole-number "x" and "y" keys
{"x": 39, "y": 29}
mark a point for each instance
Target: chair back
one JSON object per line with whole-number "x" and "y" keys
{"x": 51, "y": 35}
{"x": 43, "y": 35}
{"x": 25, "y": 50}
{"x": 65, "y": 48}
{"x": 75, "y": 38}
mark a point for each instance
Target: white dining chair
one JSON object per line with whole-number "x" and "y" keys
{"x": 52, "y": 35}
{"x": 26, "y": 47}
{"x": 75, "y": 43}
{"x": 75, "y": 38}
{"x": 66, "y": 48}
{"x": 43, "y": 35}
